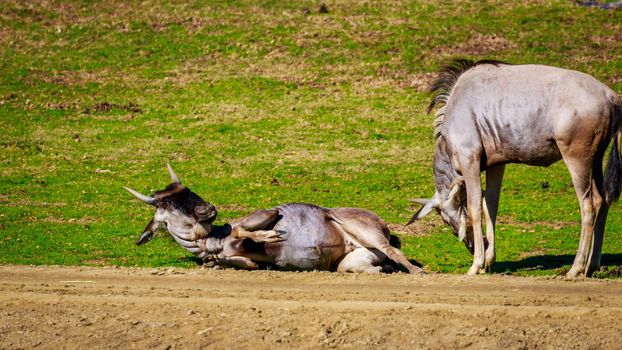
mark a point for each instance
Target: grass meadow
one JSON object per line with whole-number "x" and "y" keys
{"x": 258, "y": 103}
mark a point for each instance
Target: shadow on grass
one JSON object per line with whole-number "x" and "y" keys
{"x": 560, "y": 263}
{"x": 192, "y": 259}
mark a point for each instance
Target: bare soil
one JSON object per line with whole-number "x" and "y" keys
{"x": 81, "y": 307}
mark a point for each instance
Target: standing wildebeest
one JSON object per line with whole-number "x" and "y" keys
{"x": 291, "y": 236}
{"x": 495, "y": 113}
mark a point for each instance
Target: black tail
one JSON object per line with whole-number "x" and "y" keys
{"x": 613, "y": 171}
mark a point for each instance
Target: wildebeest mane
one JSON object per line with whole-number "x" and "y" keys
{"x": 443, "y": 84}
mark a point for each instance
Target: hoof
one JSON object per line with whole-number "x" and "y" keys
{"x": 414, "y": 270}
{"x": 575, "y": 272}
{"x": 474, "y": 270}
{"x": 270, "y": 236}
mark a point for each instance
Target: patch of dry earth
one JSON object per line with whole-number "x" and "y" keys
{"x": 78, "y": 307}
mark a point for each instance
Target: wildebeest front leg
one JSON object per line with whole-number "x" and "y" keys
{"x": 253, "y": 227}
{"x": 473, "y": 183}
{"x": 494, "y": 177}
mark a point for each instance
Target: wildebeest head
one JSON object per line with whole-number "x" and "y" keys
{"x": 449, "y": 199}
{"x": 185, "y": 215}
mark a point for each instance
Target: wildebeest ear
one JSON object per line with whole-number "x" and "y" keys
{"x": 205, "y": 212}
{"x": 456, "y": 186}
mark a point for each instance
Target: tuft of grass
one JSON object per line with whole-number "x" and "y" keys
{"x": 261, "y": 103}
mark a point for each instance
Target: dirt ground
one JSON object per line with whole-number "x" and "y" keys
{"x": 80, "y": 307}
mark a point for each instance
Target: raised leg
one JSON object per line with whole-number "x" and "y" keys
{"x": 494, "y": 177}
{"x": 365, "y": 229}
{"x": 590, "y": 202}
{"x": 252, "y": 227}
{"x": 260, "y": 219}
{"x": 260, "y": 236}
{"x": 361, "y": 260}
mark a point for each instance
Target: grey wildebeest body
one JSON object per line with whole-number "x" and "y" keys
{"x": 493, "y": 113}
{"x": 293, "y": 236}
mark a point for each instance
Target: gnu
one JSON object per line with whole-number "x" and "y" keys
{"x": 492, "y": 113}
{"x": 293, "y": 236}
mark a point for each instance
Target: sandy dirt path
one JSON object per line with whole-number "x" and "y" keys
{"x": 78, "y": 307}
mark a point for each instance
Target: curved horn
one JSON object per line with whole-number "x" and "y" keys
{"x": 174, "y": 177}
{"x": 421, "y": 201}
{"x": 142, "y": 197}
{"x": 427, "y": 207}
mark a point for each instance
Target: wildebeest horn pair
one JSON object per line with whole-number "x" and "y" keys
{"x": 148, "y": 199}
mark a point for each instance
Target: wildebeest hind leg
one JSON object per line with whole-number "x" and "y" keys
{"x": 590, "y": 201}
{"x": 361, "y": 260}
{"x": 369, "y": 231}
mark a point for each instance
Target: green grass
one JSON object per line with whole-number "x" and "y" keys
{"x": 261, "y": 103}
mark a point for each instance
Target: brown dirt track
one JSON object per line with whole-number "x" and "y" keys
{"x": 79, "y": 307}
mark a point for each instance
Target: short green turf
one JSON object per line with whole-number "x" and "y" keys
{"x": 258, "y": 103}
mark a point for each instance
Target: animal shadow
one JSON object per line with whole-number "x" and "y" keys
{"x": 561, "y": 263}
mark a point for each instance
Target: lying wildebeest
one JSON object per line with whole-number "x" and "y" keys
{"x": 291, "y": 236}
{"x": 493, "y": 113}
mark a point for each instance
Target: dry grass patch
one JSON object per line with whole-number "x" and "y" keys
{"x": 71, "y": 78}
{"x": 234, "y": 208}
{"x": 424, "y": 227}
{"x": 98, "y": 262}
{"x": 421, "y": 81}
{"x": 531, "y": 226}
{"x": 477, "y": 45}
{"x": 63, "y": 220}
{"x": 532, "y": 253}
{"x": 13, "y": 201}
